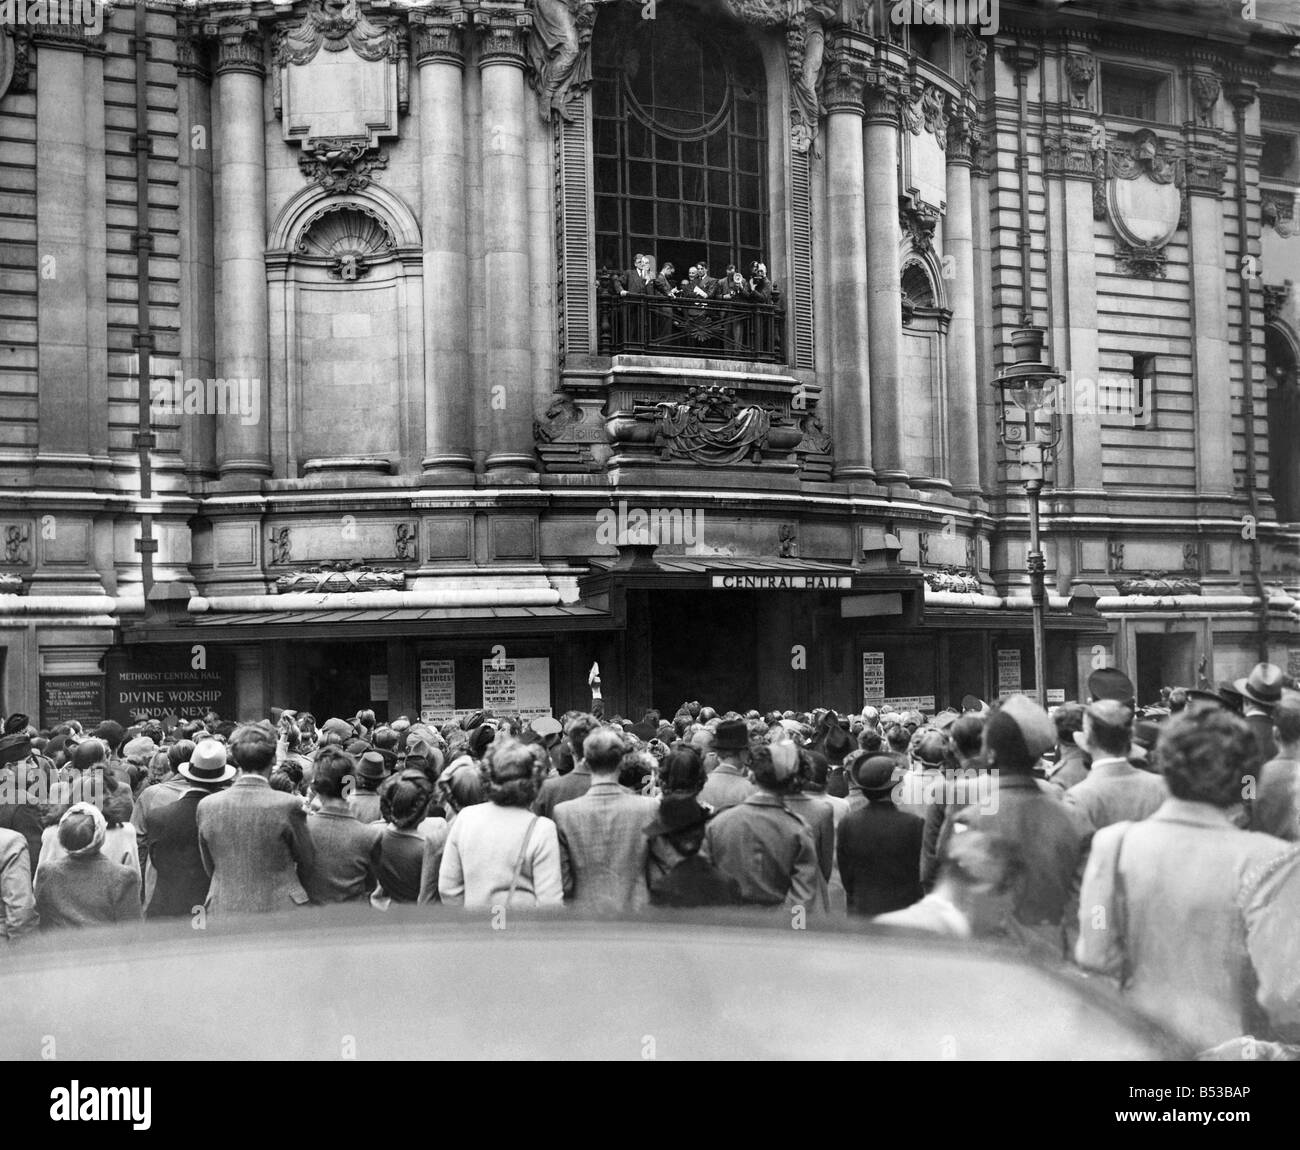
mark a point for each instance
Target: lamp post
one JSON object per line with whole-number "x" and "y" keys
{"x": 1029, "y": 430}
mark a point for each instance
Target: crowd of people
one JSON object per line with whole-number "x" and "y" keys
{"x": 1149, "y": 850}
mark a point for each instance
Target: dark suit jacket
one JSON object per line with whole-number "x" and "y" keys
{"x": 880, "y": 858}
{"x": 633, "y": 284}
{"x": 696, "y": 882}
{"x": 256, "y": 847}
{"x": 1261, "y": 727}
{"x": 173, "y": 839}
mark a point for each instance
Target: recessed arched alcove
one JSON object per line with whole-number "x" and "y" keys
{"x": 346, "y": 354}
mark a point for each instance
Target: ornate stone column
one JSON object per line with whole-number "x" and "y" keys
{"x": 962, "y": 354}
{"x": 243, "y": 448}
{"x": 440, "y": 58}
{"x": 847, "y": 272}
{"x": 71, "y": 293}
{"x": 508, "y": 375}
{"x": 1211, "y": 365}
{"x": 885, "y": 300}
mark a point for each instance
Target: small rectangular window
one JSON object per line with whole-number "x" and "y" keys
{"x": 1278, "y": 156}
{"x": 1135, "y": 95}
{"x": 1144, "y": 390}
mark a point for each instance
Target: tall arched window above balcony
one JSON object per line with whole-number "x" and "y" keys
{"x": 680, "y": 141}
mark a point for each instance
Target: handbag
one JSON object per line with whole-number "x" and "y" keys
{"x": 519, "y": 862}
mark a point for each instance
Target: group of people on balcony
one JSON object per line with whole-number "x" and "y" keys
{"x": 699, "y": 284}
{"x": 734, "y": 314}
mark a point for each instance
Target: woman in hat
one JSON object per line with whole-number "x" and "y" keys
{"x": 104, "y": 790}
{"x": 498, "y": 851}
{"x": 83, "y": 887}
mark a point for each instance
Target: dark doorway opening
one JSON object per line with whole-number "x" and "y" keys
{"x": 703, "y": 647}
{"x": 1164, "y": 661}
{"x": 335, "y": 679}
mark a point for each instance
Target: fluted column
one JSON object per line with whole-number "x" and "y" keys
{"x": 508, "y": 375}
{"x": 243, "y": 447}
{"x": 847, "y": 272}
{"x": 885, "y": 301}
{"x": 439, "y": 55}
{"x": 963, "y": 358}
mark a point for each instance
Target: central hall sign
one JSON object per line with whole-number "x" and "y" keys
{"x": 782, "y": 582}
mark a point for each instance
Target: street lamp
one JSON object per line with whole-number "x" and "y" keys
{"x": 1029, "y": 428}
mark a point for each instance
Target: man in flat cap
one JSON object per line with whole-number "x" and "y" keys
{"x": 766, "y": 848}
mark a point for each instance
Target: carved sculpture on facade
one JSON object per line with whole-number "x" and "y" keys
{"x": 281, "y": 545}
{"x": 953, "y": 579}
{"x": 16, "y": 543}
{"x": 1080, "y": 68}
{"x": 1277, "y": 211}
{"x": 334, "y": 25}
{"x": 1205, "y": 93}
{"x": 1158, "y": 583}
{"x": 934, "y": 112}
{"x": 349, "y": 238}
{"x": 559, "y": 53}
{"x": 340, "y": 164}
{"x": 340, "y": 578}
{"x": 788, "y": 541}
{"x": 1139, "y": 186}
{"x": 405, "y": 538}
{"x": 711, "y": 426}
{"x": 806, "y": 50}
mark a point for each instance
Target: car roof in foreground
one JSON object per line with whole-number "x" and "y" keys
{"x": 438, "y": 984}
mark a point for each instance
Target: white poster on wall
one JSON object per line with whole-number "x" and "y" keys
{"x": 517, "y": 687}
{"x": 873, "y": 677}
{"x": 437, "y": 690}
{"x": 1008, "y": 672}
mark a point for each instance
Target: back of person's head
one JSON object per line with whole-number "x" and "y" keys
{"x": 899, "y": 738}
{"x": 1068, "y": 719}
{"x": 1205, "y": 753}
{"x": 88, "y": 754}
{"x": 1286, "y": 721}
{"x": 775, "y": 766}
{"x": 404, "y": 798}
{"x": 1017, "y": 734}
{"x": 252, "y": 748}
{"x": 82, "y": 829}
{"x": 465, "y": 787}
{"x": 982, "y": 860}
{"x": 513, "y": 771}
{"x": 870, "y": 740}
{"x": 17, "y": 723}
{"x": 577, "y": 729}
{"x": 682, "y": 771}
{"x": 1108, "y": 726}
{"x": 930, "y": 748}
{"x": 111, "y": 732}
{"x": 179, "y": 752}
{"x": 814, "y": 771}
{"x": 385, "y": 738}
{"x": 282, "y": 780}
{"x": 603, "y": 750}
{"x": 967, "y": 735}
{"x": 333, "y": 767}
{"x": 635, "y": 769}
{"x": 366, "y": 720}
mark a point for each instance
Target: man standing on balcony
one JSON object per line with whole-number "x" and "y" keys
{"x": 640, "y": 280}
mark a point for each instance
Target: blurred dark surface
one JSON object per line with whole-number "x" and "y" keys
{"x": 430, "y": 983}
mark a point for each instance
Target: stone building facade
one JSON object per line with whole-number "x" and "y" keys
{"x": 318, "y": 386}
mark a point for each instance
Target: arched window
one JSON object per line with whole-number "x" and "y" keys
{"x": 680, "y": 141}
{"x": 1283, "y": 425}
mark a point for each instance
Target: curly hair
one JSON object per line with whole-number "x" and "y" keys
{"x": 404, "y": 798}
{"x": 1205, "y": 754}
{"x": 512, "y": 772}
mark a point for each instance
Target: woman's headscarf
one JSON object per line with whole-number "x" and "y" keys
{"x": 78, "y": 821}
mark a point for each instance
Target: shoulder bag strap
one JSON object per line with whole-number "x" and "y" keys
{"x": 1121, "y": 910}
{"x": 519, "y": 862}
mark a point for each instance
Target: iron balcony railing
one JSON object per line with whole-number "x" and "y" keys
{"x": 720, "y": 328}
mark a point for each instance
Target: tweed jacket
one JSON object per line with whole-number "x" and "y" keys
{"x": 603, "y": 848}
{"x": 256, "y": 846}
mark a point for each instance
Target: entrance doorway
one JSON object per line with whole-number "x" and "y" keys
{"x": 1164, "y": 661}
{"x": 334, "y": 679}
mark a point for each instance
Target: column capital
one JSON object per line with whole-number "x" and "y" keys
{"x": 240, "y": 47}
{"x": 961, "y": 140}
{"x": 439, "y": 38}
{"x": 842, "y": 85}
{"x": 504, "y": 32}
{"x": 885, "y": 103}
{"x": 191, "y": 59}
